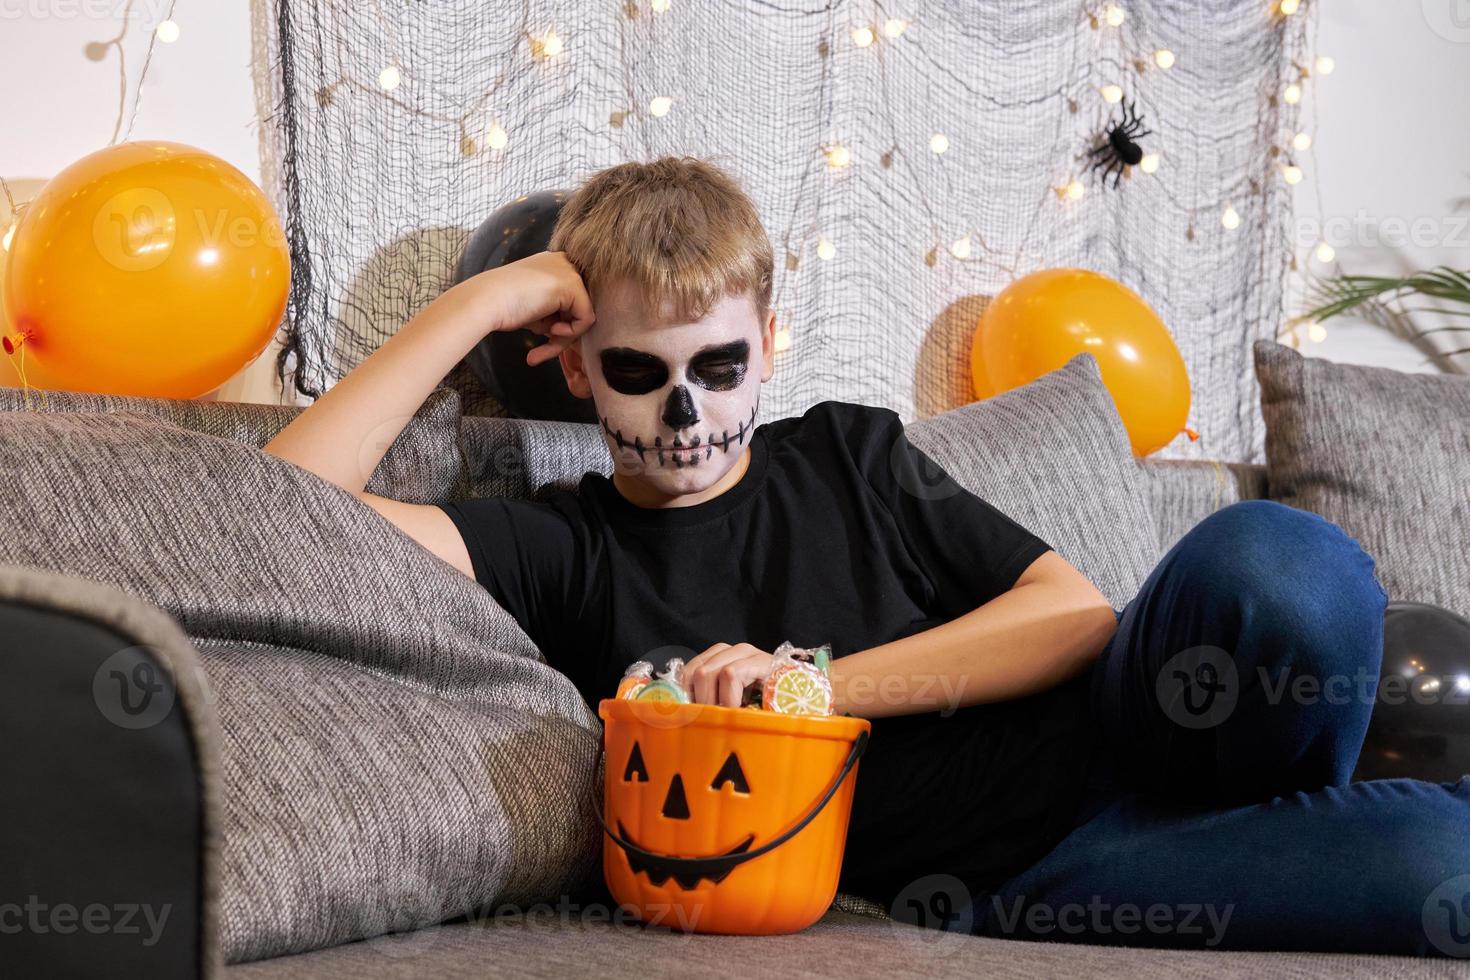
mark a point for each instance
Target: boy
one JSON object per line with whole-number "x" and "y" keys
{"x": 973, "y": 646}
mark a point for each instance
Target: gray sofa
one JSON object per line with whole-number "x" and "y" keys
{"x": 108, "y": 814}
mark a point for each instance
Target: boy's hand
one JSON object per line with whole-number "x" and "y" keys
{"x": 543, "y": 293}
{"x": 721, "y": 674}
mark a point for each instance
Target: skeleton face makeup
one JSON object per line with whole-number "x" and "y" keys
{"x": 676, "y": 402}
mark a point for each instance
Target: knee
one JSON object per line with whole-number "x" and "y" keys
{"x": 1288, "y": 568}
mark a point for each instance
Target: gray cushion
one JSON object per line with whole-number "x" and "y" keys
{"x": 380, "y": 714}
{"x": 422, "y": 466}
{"x": 1384, "y": 455}
{"x": 507, "y": 457}
{"x": 1054, "y": 456}
{"x": 1183, "y": 492}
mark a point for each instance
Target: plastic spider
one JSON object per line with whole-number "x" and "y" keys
{"x": 1119, "y": 148}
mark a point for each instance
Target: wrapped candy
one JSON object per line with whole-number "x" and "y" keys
{"x": 635, "y": 678}
{"x": 798, "y": 683}
{"x": 668, "y": 687}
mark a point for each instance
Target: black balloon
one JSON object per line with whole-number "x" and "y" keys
{"x": 517, "y": 230}
{"x": 1421, "y": 719}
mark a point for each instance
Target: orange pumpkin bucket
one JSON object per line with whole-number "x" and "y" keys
{"x": 726, "y": 820}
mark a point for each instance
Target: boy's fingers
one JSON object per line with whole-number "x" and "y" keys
{"x": 582, "y": 313}
{"x": 720, "y": 677}
{"x": 702, "y": 673}
{"x": 737, "y": 676}
{"x": 545, "y": 352}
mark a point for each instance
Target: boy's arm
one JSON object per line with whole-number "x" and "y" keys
{"x": 342, "y": 436}
{"x": 1045, "y": 629}
{"x": 1049, "y": 627}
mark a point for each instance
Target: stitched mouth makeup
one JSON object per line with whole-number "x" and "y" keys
{"x": 680, "y": 452}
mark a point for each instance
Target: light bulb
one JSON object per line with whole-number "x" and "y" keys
{"x": 660, "y": 105}
{"x": 1112, "y": 93}
{"x": 939, "y": 142}
{"x": 838, "y": 157}
{"x": 1302, "y": 142}
{"x": 1326, "y": 66}
{"x": 1164, "y": 58}
{"x": 660, "y": 6}
{"x": 495, "y": 137}
{"x": 1292, "y": 174}
{"x": 1114, "y": 15}
{"x": 1292, "y": 94}
{"x": 893, "y": 27}
{"x": 862, "y": 36}
{"x": 1326, "y": 253}
{"x": 961, "y": 248}
{"x": 168, "y": 32}
{"x": 389, "y": 78}
{"x": 549, "y": 45}
{"x": 783, "y": 339}
{"x": 1074, "y": 191}
{"x": 1230, "y": 218}
{"x": 1289, "y": 7}
{"x": 1316, "y": 332}
{"x": 1150, "y": 163}
{"x": 825, "y": 249}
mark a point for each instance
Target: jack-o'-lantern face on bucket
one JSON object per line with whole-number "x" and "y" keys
{"x": 727, "y": 819}
{"x": 675, "y": 806}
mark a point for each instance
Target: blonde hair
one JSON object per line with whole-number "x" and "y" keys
{"x": 680, "y": 228}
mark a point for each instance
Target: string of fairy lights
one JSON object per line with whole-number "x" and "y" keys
{"x": 482, "y": 131}
{"x": 166, "y": 31}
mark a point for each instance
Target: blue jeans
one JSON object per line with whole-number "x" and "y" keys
{"x": 1232, "y": 704}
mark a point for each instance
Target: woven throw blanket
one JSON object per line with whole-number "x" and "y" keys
{"x": 394, "y": 752}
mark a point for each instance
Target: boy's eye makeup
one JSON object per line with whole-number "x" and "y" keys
{"x": 629, "y": 371}
{"x": 633, "y": 372}
{"x": 720, "y": 368}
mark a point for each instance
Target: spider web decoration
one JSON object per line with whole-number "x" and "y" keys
{"x": 381, "y": 183}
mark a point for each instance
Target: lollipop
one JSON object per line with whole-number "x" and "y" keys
{"x": 798, "y": 687}
{"x": 637, "y": 677}
{"x": 668, "y": 687}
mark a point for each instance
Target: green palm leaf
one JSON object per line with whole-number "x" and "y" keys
{"x": 1378, "y": 299}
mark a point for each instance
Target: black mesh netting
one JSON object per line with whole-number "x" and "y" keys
{"x": 380, "y": 188}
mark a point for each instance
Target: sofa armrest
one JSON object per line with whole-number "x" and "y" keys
{"x": 108, "y": 762}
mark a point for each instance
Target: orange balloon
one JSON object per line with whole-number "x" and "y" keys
{"x": 1041, "y": 321}
{"x": 22, "y": 191}
{"x": 145, "y": 269}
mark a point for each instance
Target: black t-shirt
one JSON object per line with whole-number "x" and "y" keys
{"x": 841, "y": 532}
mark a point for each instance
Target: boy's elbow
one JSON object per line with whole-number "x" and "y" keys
{"x": 1093, "y": 620}
{"x": 1098, "y": 622}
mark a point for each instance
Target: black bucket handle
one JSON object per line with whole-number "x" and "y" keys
{"x": 719, "y": 865}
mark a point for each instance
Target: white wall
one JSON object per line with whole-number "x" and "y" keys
{"x": 1389, "y": 176}
{"x": 1392, "y": 124}
{"x": 60, "y": 102}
